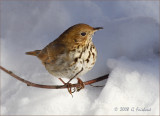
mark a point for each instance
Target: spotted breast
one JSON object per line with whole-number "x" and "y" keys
{"x": 77, "y": 62}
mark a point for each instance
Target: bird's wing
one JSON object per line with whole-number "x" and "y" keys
{"x": 51, "y": 52}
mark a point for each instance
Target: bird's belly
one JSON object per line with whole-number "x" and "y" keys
{"x": 78, "y": 63}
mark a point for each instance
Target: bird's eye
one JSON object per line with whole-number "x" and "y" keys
{"x": 83, "y": 33}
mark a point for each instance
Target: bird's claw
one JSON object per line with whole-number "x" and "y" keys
{"x": 81, "y": 84}
{"x": 69, "y": 87}
{"x": 72, "y": 89}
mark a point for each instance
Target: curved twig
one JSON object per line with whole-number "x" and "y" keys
{"x": 52, "y": 86}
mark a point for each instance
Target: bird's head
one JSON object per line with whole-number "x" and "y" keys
{"x": 78, "y": 34}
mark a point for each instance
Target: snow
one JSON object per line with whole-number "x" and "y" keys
{"x": 128, "y": 49}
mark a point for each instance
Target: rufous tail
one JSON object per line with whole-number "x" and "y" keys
{"x": 34, "y": 53}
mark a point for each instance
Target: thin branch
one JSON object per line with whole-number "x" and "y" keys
{"x": 52, "y": 86}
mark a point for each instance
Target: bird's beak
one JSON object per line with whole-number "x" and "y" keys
{"x": 97, "y": 28}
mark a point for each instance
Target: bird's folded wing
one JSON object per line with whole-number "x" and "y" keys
{"x": 51, "y": 52}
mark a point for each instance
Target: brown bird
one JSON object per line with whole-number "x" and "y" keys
{"x": 72, "y": 54}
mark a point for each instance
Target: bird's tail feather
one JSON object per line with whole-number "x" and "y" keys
{"x": 34, "y": 53}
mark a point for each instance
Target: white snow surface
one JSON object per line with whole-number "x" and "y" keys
{"x": 128, "y": 49}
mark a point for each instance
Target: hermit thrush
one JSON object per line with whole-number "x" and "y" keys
{"x": 72, "y": 54}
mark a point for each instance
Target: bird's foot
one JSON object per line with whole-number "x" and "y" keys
{"x": 72, "y": 89}
{"x": 82, "y": 85}
{"x": 69, "y": 87}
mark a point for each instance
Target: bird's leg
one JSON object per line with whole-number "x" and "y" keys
{"x": 81, "y": 84}
{"x": 69, "y": 86}
{"x": 75, "y": 75}
{"x": 62, "y": 81}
